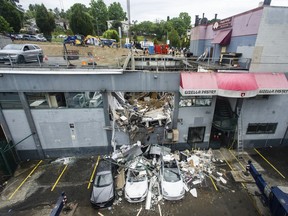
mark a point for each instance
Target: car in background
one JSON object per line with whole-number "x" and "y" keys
{"x": 136, "y": 187}
{"x": 21, "y": 53}
{"x": 103, "y": 192}
{"x": 171, "y": 183}
{"x": 40, "y": 37}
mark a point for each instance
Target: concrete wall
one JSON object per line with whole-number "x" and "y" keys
{"x": 271, "y": 110}
{"x": 19, "y": 128}
{"x": 62, "y": 132}
{"x": 271, "y": 48}
{"x": 196, "y": 117}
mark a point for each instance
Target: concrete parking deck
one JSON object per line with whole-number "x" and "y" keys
{"x": 36, "y": 197}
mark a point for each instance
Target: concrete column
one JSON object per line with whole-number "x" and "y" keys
{"x": 106, "y": 116}
{"x": 5, "y": 127}
{"x": 176, "y": 110}
{"x": 31, "y": 123}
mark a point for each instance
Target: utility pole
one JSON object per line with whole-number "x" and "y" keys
{"x": 129, "y": 19}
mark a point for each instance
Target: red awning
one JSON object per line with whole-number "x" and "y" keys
{"x": 196, "y": 83}
{"x": 233, "y": 85}
{"x": 272, "y": 83}
{"x": 237, "y": 84}
{"x": 223, "y": 37}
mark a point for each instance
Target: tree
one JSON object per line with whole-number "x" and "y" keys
{"x": 11, "y": 14}
{"x": 99, "y": 12}
{"x": 186, "y": 19}
{"x": 174, "y": 38}
{"x": 4, "y": 25}
{"x": 116, "y": 24}
{"x": 116, "y": 12}
{"x": 179, "y": 25}
{"x": 80, "y": 20}
{"x": 45, "y": 21}
{"x": 111, "y": 34}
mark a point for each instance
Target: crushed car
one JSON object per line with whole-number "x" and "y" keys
{"x": 136, "y": 186}
{"x": 171, "y": 183}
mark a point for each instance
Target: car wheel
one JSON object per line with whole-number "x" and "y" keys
{"x": 41, "y": 59}
{"x": 21, "y": 59}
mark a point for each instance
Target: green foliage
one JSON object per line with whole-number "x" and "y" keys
{"x": 99, "y": 12}
{"x": 116, "y": 12}
{"x": 179, "y": 25}
{"x": 186, "y": 19}
{"x": 81, "y": 21}
{"x": 111, "y": 34}
{"x": 45, "y": 21}
{"x": 9, "y": 12}
{"x": 4, "y": 25}
{"x": 116, "y": 24}
{"x": 174, "y": 38}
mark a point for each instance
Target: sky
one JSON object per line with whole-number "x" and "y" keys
{"x": 152, "y": 10}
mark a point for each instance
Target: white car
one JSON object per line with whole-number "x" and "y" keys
{"x": 172, "y": 186}
{"x": 21, "y": 53}
{"x": 136, "y": 187}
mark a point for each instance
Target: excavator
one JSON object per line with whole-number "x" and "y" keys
{"x": 276, "y": 197}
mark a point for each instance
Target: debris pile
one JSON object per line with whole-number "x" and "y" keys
{"x": 141, "y": 112}
{"x": 194, "y": 168}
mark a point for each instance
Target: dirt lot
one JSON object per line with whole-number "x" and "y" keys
{"x": 102, "y": 55}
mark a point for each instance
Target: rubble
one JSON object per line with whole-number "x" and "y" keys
{"x": 195, "y": 166}
{"x": 139, "y": 113}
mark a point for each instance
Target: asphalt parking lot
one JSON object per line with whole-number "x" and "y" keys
{"x": 37, "y": 184}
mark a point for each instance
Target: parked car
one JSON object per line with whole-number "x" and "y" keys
{"x": 136, "y": 187}
{"x": 171, "y": 183}
{"x": 21, "y": 53}
{"x": 103, "y": 193}
{"x": 40, "y": 37}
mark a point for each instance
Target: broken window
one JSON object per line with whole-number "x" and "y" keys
{"x": 84, "y": 100}
{"x": 195, "y": 101}
{"x": 46, "y": 100}
{"x": 196, "y": 134}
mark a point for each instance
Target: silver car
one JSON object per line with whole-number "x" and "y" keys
{"x": 21, "y": 53}
{"x": 103, "y": 193}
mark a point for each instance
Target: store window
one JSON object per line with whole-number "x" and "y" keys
{"x": 44, "y": 100}
{"x": 10, "y": 100}
{"x": 84, "y": 100}
{"x": 196, "y": 134}
{"x": 195, "y": 101}
{"x": 261, "y": 128}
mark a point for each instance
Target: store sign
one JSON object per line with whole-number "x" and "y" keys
{"x": 199, "y": 92}
{"x": 272, "y": 91}
{"x": 225, "y": 23}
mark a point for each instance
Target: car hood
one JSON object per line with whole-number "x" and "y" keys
{"x": 10, "y": 51}
{"x": 102, "y": 194}
{"x": 173, "y": 188}
{"x": 136, "y": 189}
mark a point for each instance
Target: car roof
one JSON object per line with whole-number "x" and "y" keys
{"x": 104, "y": 165}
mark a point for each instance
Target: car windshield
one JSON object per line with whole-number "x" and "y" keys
{"x": 136, "y": 176}
{"x": 171, "y": 175}
{"x": 103, "y": 180}
{"x": 13, "y": 47}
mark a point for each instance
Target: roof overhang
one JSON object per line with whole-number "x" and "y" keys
{"x": 223, "y": 37}
{"x": 233, "y": 85}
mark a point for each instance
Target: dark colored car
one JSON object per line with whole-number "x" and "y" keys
{"x": 103, "y": 193}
